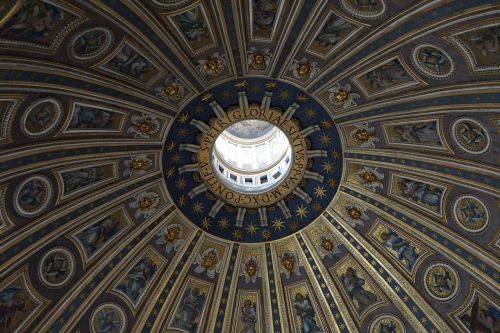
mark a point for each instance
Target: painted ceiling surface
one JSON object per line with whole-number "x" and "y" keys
{"x": 388, "y": 222}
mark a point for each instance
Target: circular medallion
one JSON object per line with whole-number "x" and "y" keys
{"x": 41, "y": 117}
{"x": 441, "y": 281}
{"x": 471, "y": 136}
{"x": 253, "y": 160}
{"x": 365, "y": 9}
{"x": 170, "y": 3}
{"x": 109, "y": 318}
{"x": 432, "y": 61}
{"x": 33, "y": 196}
{"x": 91, "y": 43}
{"x": 57, "y": 267}
{"x": 387, "y": 324}
{"x": 470, "y": 214}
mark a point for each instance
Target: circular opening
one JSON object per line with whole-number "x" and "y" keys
{"x": 252, "y": 156}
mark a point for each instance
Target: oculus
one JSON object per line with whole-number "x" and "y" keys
{"x": 255, "y": 151}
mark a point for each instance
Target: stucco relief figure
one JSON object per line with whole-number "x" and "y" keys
{"x": 248, "y": 317}
{"x": 404, "y": 250}
{"x": 137, "y": 278}
{"x": 305, "y": 311}
{"x": 188, "y": 315}
{"x": 354, "y": 286}
{"x": 34, "y": 22}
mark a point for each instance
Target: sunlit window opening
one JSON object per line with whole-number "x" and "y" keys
{"x": 252, "y": 156}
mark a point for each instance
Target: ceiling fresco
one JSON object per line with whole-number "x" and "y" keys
{"x": 112, "y": 215}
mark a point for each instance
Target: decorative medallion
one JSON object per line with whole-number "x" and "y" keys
{"x": 365, "y": 9}
{"x": 208, "y": 262}
{"x": 33, "y": 195}
{"x": 109, "y": 318}
{"x": 172, "y": 236}
{"x": 208, "y": 183}
{"x": 41, "y": 117}
{"x": 387, "y": 324}
{"x": 342, "y": 97}
{"x": 441, "y": 281}
{"x": 91, "y": 44}
{"x": 471, "y": 136}
{"x": 57, "y": 267}
{"x": 432, "y": 61}
{"x": 470, "y": 214}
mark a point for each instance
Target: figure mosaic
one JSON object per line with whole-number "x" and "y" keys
{"x": 35, "y": 22}
{"x": 427, "y": 195}
{"x": 248, "y": 317}
{"x": 334, "y": 30}
{"x": 188, "y": 315}
{"x": 16, "y": 305}
{"x": 389, "y": 75}
{"x": 172, "y": 236}
{"x": 194, "y": 27}
{"x": 471, "y": 136}
{"x": 405, "y": 252}
{"x": 487, "y": 42}
{"x": 96, "y": 236}
{"x": 130, "y": 62}
{"x": 354, "y": 286}
{"x": 441, "y": 281}
{"x": 88, "y": 117}
{"x": 481, "y": 316}
{"x": 305, "y": 311}
{"x": 138, "y": 277}
{"x": 418, "y": 133}
{"x": 264, "y": 13}
{"x": 208, "y": 262}
{"x": 75, "y": 180}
